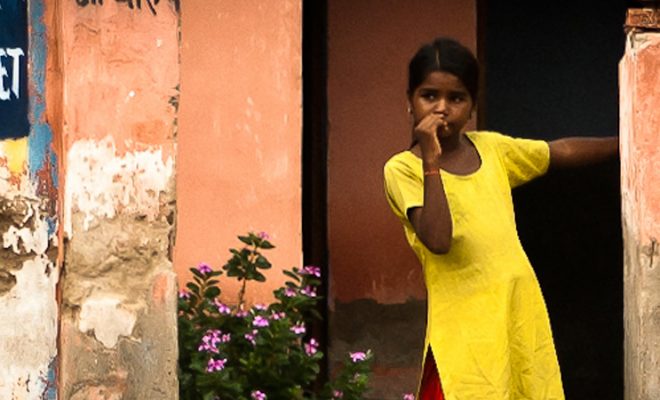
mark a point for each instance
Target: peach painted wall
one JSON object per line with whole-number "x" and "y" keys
{"x": 239, "y": 136}
{"x": 370, "y": 43}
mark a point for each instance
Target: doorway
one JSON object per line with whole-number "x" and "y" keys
{"x": 547, "y": 74}
{"x": 551, "y": 74}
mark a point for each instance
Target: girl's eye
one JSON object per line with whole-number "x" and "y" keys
{"x": 457, "y": 99}
{"x": 428, "y": 96}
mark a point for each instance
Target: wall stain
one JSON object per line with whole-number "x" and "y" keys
{"x": 651, "y": 251}
{"x": 7, "y": 281}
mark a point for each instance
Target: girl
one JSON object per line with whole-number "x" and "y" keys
{"x": 488, "y": 333}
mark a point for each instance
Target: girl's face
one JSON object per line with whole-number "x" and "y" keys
{"x": 442, "y": 93}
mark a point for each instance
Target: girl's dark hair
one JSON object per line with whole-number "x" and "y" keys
{"x": 445, "y": 55}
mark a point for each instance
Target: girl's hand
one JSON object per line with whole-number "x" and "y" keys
{"x": 426, "y": 133}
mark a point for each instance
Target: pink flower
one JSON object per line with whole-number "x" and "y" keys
{"x": 277, "y": 315}
{"x": 204, "y": 268}
{"x": 311, "y": 270}
{"x": 210, "y": 341}
{"x": 309, "y": 291}
{"x": 216, "y": 365}
{"x": 408, "y": 396}
{"x": 338, "y": 394}
{"x": 289, "y": 292}
{"x": 222, "y": 308}
{"x": 258, "y": 395}
{"x": 260, "y": 307}
{"x": 252, "y": 337}
{"x": 184, "y": 294}
{"x": 312, "y": 347}
{"x": 263, "y": 235}
{"x": 358, "y": 356}
{"x": 298, "y": 328}
{"x": 260, "y": 322}
{"x": 241, "y": 314}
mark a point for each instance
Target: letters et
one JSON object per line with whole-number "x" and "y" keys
{"x": 10, "y": 61}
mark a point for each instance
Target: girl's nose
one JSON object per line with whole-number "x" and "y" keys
{"x": 441, "y": 107}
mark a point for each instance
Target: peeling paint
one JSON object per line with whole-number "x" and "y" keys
{"x": 107, "y": 319}
{"x": 28, "y": 274}
{"x": 100, "y": 183}
{"x": 14, "y": 153}
{"x": 28, "y": 239}
{"x": 28, "y": 278}
{"x": 28, "y": 331}
{"x": 14, "y": 180}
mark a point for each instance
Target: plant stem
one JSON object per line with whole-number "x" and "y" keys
{"x": 241, "y": 295}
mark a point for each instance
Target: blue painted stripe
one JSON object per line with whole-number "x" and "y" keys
{"x": 51, "y": 389}
{"x": 40, "y": 141}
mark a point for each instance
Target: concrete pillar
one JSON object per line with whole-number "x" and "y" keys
{"x": 640, "y": 168}
{"x": 28, "y": 204}
{"x": 120, "y": 85}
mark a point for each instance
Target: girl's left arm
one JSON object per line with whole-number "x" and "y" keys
{"x": 581, "y": 151}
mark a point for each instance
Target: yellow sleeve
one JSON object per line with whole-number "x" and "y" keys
{"x": 523, "y": 159}
{"x": 404, "y": 185}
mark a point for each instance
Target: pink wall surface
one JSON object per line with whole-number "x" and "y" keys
{"x": 119, "y": 105}
{"x": 370, "y": 44}
{"x": 239, "y": 134}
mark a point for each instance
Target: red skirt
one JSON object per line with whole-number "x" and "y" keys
{"x": 431, "y": 388}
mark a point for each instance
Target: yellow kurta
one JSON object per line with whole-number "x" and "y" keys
{"x": 487, "y": 325}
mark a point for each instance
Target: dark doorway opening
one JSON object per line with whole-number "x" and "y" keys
{"x": 314, "y": 158}
{"x": 554, "y": 73}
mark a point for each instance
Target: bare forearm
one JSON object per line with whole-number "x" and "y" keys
{"x": 582, "y": 151}
{"x": 432, "y": 222}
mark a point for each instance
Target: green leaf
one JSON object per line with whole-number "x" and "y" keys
{"x": 212, "y": 292}
{"x": 262, "y": 262}
{"x": 246, "y": 239}
{"x": 266, "y": 245}
{"x": 193, "y": 288}
{"x": 234, "y": 272}
{"x": 197, "y": 273}
{"x": 209, "y": 396}
{"x": 291, "y": 275}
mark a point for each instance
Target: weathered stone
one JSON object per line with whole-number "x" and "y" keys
{"x": 640, "y": 192}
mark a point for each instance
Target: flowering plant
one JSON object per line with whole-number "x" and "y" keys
{"x": 261, "y": 352}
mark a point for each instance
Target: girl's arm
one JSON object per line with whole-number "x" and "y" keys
{"x": 581, "y": 151}
{"x": 432, "y": 222}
